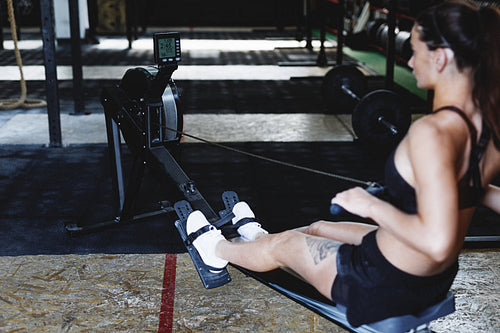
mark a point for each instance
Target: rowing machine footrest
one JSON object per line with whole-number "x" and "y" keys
{"x": 208, "y": 278}
{"x": 229, "y": 198}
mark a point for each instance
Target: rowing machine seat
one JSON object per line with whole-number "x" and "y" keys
{"x": 407, "y": 323}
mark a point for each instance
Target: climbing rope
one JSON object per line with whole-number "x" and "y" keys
{"x": 22, "y": 102}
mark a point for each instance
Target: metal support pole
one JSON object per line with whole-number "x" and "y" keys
{"x": 391, "y": 24}
{"x": 131, "y": 26}
{"x": 76, "y": 55}
{"x": 340, "y": 33}
{"x": 1, "y": 28}
{"x": 93, "y": 21}
{"x": 322, "y": 61}
{"x": 278, "y": 15}
{"x": 301, "y": 19}
{"x": 307, "y": 10}
{"x": 49, "y": 56}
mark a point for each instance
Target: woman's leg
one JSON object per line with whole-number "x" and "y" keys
{"x": 312, "y": 257}
{"x": 303, "y": 251}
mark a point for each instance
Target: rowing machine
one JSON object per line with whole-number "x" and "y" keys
{"x": 140, "y": 108}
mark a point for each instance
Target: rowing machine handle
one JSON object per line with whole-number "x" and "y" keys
{"x": 374, "y": 189}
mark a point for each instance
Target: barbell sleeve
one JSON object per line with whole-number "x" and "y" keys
{"x": 349, "y": 92}
{"x": 394, "y": 130}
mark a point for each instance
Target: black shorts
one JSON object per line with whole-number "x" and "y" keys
{"x": 372, "y": 289}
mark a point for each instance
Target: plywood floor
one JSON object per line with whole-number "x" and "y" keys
{"x": 123, "y": 293}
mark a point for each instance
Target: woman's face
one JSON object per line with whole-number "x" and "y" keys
{"x": 420, "y": 61}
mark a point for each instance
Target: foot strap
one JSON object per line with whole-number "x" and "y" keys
{"x": 243, "y": 221}
{"x": 208, "y": 278}
{"x": 192, "y": 236}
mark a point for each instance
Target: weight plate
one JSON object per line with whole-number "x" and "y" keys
{"x": 373, "y": 116}
{"x": 337, "y": 101}
{"x": 372, "y": 28}
{"x": 383, "y": 36}
{"x": 403, "y": 45}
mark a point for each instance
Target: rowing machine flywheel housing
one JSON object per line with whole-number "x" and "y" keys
{"x": 161, "y": 114}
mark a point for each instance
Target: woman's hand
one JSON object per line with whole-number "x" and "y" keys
{"x": 356, "y": 201}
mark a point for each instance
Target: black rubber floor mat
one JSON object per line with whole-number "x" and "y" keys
{"x": 302, "y": 95}
{"x": 41, "y": 189}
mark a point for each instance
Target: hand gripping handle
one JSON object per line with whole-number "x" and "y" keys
{"x": 374, "y": 189}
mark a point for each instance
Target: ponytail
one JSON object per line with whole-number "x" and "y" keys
{"x": 486, "y": 92}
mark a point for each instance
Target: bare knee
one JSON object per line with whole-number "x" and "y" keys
{"x": 282, "y": 244}
{"x": 283, "y": 239}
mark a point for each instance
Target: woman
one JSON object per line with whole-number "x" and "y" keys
{"x": 435, "y": 178}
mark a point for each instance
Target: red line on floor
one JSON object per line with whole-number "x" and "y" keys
{"x": 167, "y": 295}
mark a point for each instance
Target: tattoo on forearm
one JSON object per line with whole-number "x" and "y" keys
{"x": 320, "y": 249}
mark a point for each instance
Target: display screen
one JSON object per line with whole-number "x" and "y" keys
{"x": 166, "y": 47}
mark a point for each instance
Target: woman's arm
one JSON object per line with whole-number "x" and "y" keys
{"x": 434, "y": 231}
{"x": 492, "y": 198}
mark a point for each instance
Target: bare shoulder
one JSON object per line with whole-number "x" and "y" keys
{"x": 437, "y": 146}
{"x": 433, "y": 146}
{"x": 443, "y": 129}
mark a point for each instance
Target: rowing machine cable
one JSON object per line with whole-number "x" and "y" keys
{"x": 271, "y": 160}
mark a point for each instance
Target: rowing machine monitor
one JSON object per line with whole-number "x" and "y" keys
{"x": 167, "y": 48}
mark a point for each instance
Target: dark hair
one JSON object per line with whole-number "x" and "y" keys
{"x": 473, "y": 33}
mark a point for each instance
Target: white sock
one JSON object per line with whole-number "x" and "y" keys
{"x": 248, "y": 231}
{"x": 205, "y": 244}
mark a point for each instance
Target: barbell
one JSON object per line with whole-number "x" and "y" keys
{"x": 379, "y": 118}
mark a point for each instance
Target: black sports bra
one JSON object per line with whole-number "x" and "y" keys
{"x": 470, "y": 188}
